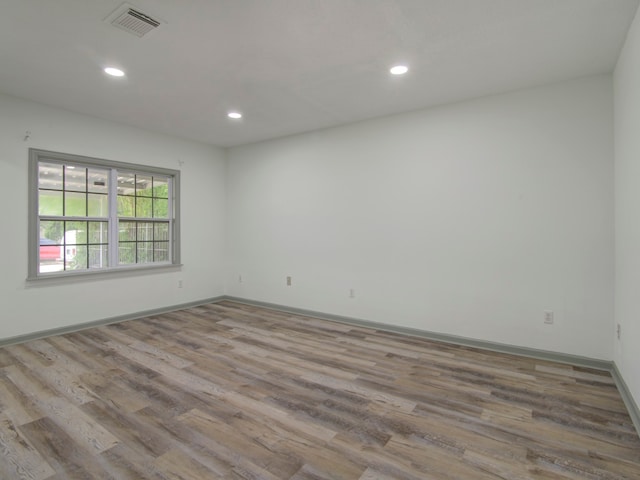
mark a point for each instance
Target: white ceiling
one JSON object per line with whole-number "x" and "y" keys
{"x": 296, "y": 65}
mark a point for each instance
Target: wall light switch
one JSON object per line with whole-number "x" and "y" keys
{"x": 548, "y": 317}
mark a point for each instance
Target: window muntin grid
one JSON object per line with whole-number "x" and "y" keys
{"x": 80, "y": 217}
{"x": 144, "y": 199}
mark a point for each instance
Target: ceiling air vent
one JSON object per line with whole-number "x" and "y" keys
{"x": 133, "y": 21}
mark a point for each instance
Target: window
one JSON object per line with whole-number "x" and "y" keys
{"x": 90, "y": 216}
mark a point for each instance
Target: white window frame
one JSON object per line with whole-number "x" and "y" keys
{"x": 37, "y": 156}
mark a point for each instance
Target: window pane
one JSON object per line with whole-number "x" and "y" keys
{"x": 98, "y": 232}
{"x": 143, "y": 207}
{"x": 50, "y": 203}
{"x": 160, "y": 187}
{"x": 143, "y": 185}
{"x": 126, "y": 184}
{"x": 160, "y": 231}
{"x": 98, "y": 205}
{"x": 145, "y": 252}
{"x": 75, "y": 178}
{"x": 52, "y": 230}
{"x": 127, "y": 231}
{"x": 98, "y": 256}
{"x": 75, "y": 233}
{"x": 75, "y": 204}
{"x": 50, "y": 176}
{"x": 76, "y": 258}
{"x": 160, "y": 208}
{"x": 145, "y": 232}
{"x": 126, "y": 206}
{"x": 98, "y": 181}
{"x": 127, "y": 253}
{"x": 161, "y": 251}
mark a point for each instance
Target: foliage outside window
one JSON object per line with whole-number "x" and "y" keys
{"x": 90, "y": 215}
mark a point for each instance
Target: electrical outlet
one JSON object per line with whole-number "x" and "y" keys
{"x": 239, "y": 278}
{"x": 288, "y": 281}
{"x": 548, "y": 317}
{"x": 352, "y": 293}
{"x": 180, "y": 283}
{"x": 618, "y": 331}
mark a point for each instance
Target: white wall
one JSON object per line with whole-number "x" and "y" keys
{"x": 25, "y": 308}
{"x": 470, "y": 219}
{"x": 627, "y": 209}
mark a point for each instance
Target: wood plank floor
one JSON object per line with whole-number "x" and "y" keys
{"x": 232, "y": 391}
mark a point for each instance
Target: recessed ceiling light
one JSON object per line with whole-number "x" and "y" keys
{"x": 399, "y": 70}
{"x": 234, "y": 115}
{"x": 114, "y": 72}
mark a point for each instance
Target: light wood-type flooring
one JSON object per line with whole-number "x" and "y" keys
{"x": 233, "y": 391}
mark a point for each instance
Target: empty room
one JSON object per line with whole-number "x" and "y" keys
{"x": 320, "y": 239}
